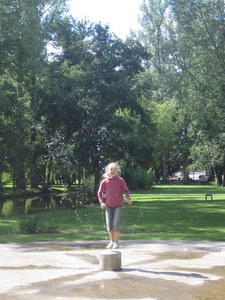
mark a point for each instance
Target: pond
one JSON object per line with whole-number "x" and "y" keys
{"x": 49, "y": 201}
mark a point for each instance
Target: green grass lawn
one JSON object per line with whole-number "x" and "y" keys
{"x": 167, "y": 212}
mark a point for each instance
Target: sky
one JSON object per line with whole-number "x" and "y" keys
{"x": 120, "y": 15}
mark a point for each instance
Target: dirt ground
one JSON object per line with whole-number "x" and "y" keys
{"x": 165, "y": 270}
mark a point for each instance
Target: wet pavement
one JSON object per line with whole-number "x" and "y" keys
{"x": 167, "y": 270}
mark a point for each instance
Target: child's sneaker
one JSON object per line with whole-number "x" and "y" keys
{"x": 115, "y": 245}
{"x": 110, "y": 245}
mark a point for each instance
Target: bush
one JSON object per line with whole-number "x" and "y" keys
{"x": 34, "y": 225}
{"x": 29, "y": 225}
{"x": 138, "y": 178}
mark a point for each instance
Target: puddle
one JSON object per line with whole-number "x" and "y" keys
{"x": 78, "y": 246}
{"x": 87, "y": 258}
{"x": 123, "y": 287}
{"x": 153, "y": 278}
{"x": 211, "y": 291}
{"x": 65, "y": 246}
{"x": 178, "y": 255}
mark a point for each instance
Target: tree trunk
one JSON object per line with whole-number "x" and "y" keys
{"x": 185, "y": 172}
{"x": 96, "y": 185}
{"x": 20, "y": 153}
{"x": 218, "y": 174}
{"x": 49, "y": 171}
{"x": 34, "y": 178}
{"x": 164, "y": 166}
{"x": 19, "y": 171}
{"x": 1, "y": 187}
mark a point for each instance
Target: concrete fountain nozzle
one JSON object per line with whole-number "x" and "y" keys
{"x": 110, "y": 261}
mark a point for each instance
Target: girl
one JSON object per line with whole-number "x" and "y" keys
{"x": 113, "y": 187}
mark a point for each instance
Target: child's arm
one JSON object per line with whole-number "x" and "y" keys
{"x": 126, "y": 192}
{"x": 101, "y": 191}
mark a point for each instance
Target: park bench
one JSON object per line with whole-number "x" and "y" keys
{"x": 208, "y": 195}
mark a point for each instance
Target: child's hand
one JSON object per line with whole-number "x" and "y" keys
{"x": 129, "y": 202}
{"x": 103, "y": 206}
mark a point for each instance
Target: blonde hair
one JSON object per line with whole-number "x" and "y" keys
{"x": 112, "y": 164}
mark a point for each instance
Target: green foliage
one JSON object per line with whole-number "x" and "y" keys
{"x": 149, "y": 101}
{"x": 6, "y": 178}
{"x": 138, "y": 178}
{"x": 33, "y": 224}
{"x": 201, "y": 43}
{"x": 8, "y": 209}
{"x": 187, "y": 45}
{"x": 30, "y": 225}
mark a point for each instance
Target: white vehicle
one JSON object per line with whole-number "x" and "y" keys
{"x": 199, "y": 176}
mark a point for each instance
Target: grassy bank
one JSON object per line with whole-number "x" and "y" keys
{"x": 167, "y": 212}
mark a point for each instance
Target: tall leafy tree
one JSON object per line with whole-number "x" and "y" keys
{"x": 200, "y": 30}
{"x": 160, "y": 84}
{"x": 22, "y": 46}
{"x": 187, "y": 64}
{"x": 95, "y": 74}
{"x": 164, "y": 116}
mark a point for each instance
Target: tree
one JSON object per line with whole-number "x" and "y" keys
{"x": 167, "y": 136}
{"x": 186, "y": 41}
{"x": 159, "y": 85}
{"x": 94, "y": 75}
{"x": 22, "y": 45}
{"x": 200, "y": 28}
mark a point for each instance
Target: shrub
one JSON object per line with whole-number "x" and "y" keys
{"x": 138, "y": 178}
{"x": 34, "y": 225}
{"x": 28, "y": 225}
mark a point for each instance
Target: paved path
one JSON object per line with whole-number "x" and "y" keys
{"x": 165, "y": 270}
